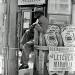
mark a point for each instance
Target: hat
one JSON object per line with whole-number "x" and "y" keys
{"x": 38, "y": 10}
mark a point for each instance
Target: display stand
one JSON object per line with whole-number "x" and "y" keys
{"x": 39, "y": 45}
{"x": 41, "y": 49}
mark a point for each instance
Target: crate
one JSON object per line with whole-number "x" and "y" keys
{"x": 26, "y": 72}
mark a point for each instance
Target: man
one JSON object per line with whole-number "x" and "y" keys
{"x": 42, "y": 20}
{"x": 41, "y": 26}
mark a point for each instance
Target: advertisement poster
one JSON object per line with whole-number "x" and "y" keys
{"x": 61, "y": 59}
{"x": 68, "y": 35}
{"x": 30, "y": 2}
{"x": 59, "y": 6}
{"x": 51, "y": 38}
{"x": 59, "y": 19}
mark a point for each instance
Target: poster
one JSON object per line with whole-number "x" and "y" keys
{"x": 30, "y": 2}
{"x": 61, "y": 59}
{"x": 51, "y": 38}
{"x": 27, "y": 16}
{"x": 59, "y": 19}
{"x": 68, "y": 35}
{"x": 59, "y": 6}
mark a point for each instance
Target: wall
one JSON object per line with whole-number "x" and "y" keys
{"x": 73, "y": 14}
{"x": 2, "y": 26}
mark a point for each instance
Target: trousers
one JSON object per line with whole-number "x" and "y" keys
{"x": 27, "y": 49}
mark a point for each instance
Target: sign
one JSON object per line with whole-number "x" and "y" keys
{"x": 59, "y": 6}
{"x": 53, "y": 28}
{"x": 31, "y": 2}
{"x": 68, "y": 35}
{"x": 27, "y": 14}
{"x": 26, "y": 19}
{"x": 59, "y": 19}
{"x": 61, "y": 59}
{"x": 51, "y": 38}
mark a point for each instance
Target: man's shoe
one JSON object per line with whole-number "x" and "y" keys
{"x": 26, "y": 66}
{"x": 54, "y": 74}
{"x": 23, "y": 67}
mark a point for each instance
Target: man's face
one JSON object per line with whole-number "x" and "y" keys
{"x": 35, "y": 15}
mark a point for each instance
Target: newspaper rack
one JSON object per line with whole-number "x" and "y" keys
{"x": 41, "y": 53}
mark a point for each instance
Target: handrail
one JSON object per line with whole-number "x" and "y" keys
{"x": 41, "y": 47}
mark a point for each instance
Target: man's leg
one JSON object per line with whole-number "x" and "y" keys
{"x": 25, "y": 54}
{"x": 27, "y": 49}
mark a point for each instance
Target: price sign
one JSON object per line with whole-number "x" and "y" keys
{"x": 61, "y": 59}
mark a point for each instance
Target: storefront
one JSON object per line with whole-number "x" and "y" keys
{"x": 19, "y": 15}
{"x": 26, "y": 14}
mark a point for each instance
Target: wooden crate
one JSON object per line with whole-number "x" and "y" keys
{"x": 26, "y": 72}
{"x": 39, "y": 45}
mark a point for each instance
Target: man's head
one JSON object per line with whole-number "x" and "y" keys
{"x": 38, "y": 12}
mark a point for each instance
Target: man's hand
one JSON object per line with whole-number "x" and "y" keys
{"x": 39, "y": 28}
{"x": 35, "y": 22}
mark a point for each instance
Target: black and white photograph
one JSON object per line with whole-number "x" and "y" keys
{"x": 37, "y": 37}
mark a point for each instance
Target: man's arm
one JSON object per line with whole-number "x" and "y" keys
{"x": 39, "y": 28}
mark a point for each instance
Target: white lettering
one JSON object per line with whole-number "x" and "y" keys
{"x": 64, "y": 57}
{"x": 63, "y": 64}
